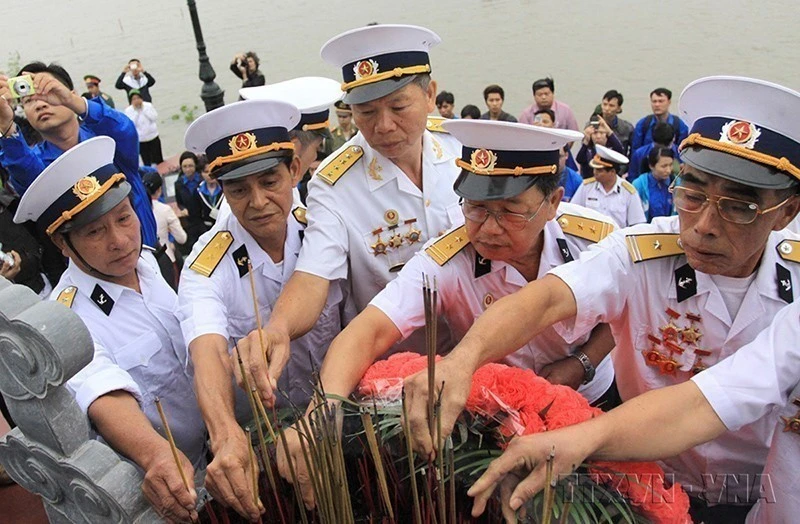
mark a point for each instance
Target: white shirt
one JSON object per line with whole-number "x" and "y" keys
{"x": 167, "y": 223}
{"x": 342, "y": 218}
{"x": 622, "y": 203}
{"x": 145, "y": 119}
{"x": 635, "y": 298}
{"x": 763, "y": 375}
{"x": 463, "y": 296}
{"x": 141, "y": 351}
{"x": 222, "y": 304}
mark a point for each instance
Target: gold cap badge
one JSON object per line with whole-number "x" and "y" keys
{"x": 365, "y": 68}
{"x": 483, "y": 160}
{"x": 242, "y": 142}
{"x": 86, "y": 187}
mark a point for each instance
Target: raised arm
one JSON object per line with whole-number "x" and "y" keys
{"x": 661, "y": 423}
{"x": 506, "y": 326}
{"x": 122, "y": 424}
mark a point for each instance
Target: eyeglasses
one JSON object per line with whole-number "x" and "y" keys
{"x": 506, "y": 220}
{"x": 730, "y": 209}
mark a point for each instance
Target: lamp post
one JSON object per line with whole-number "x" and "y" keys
{"x": 211, "y": 93}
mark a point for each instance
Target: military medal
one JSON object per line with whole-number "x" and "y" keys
{"x": 379, "y": 247}
{"x": 793, "y": 423}
{"x": 396, "y": 240}
{"x": 414, "y": 235}
{"x": 699, "y": 365}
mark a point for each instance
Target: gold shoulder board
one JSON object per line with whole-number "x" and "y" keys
{"x": 588, "y": 181}
{"x": 435, "y": 124}
{"x": 446, "y": 247}
{"x": 211, "y": 255}
{"x": 300, "y": 215}
{"x": 789, "y": 250}
{"x": 585, "y": 228}
{"x": 652, "y": 246}
{"x": 337, "y": 167}
{"x": 67, "y": 296}
{"x": 627, "y": 185}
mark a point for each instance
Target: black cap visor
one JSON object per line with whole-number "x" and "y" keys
{"x": 108, "y": 201}
{"x": 252, "y": 166}
{"x": 492, "y": 187}
{"x": 737, "y": 169}
{"x": 376, "y": 90}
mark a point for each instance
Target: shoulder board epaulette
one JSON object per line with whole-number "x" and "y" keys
{"x": 300, "y": 215}
{"x": 588, "y": 181}
{"x": 652, "y": 246}
{"x": 67, "y": 296}
{"x": 435, "y": 124}
{"x": 789, "y": 250}
{"x": 448, "y": 246}
{"x": 627, "y": 185}
{"x": 337, "y": 167}
{"x": 585, "y": 228}
{"x": 211, "y": 255}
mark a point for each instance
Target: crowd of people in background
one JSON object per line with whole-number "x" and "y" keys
{"x": 659, "y": 131}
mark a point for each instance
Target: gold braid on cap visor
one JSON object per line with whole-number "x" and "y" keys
{"x": 599, "y": 160}
{"x": 781, "y": 164}
{"x": 66, "y": 216}
{"x": 247, "y": 153}
{"x": 397, "y": 72}
{"x": 517, "y": 171}
{"x": 314, "y": 127}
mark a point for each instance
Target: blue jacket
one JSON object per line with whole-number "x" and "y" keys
{"x": 25, "y": 163}
{"x": 655, "y": 196}
{"x": 571, "y": 180}
{"x": 639, "y": 165}
{"x": 642, "y": 136}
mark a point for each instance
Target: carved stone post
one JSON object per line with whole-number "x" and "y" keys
{"x": 42, "y": 345}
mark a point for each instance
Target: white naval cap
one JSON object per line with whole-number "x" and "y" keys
{"x": 244, "y": 138}
{"x": 606, "y": 157}
{"x": 312, "y": 95}
{"x": 78, "y": 187}
{"x": 503, "y": 159}
{"x": 380, "y": 59}
{"x": 743, "y": 129}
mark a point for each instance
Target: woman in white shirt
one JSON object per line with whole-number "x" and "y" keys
{"x": 167, "y": 221}
{"x": 145, "y": 118}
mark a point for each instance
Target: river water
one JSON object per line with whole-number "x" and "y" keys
{"x": 587, "y": 46}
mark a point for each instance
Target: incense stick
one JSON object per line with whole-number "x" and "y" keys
{"x": 410, "y": 456}
{"x": 171, "y": 440}
{"x": 258, "y": 313}
{"x": 549, "y": 489}
{"x": 252, "y": 465}
{"x": 369, "y": 429}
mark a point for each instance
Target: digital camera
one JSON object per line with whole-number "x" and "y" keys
{"x": 21, "y": 86}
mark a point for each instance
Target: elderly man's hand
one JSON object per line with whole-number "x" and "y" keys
{"x": 299, "y": 464}
{"x": 520, "y": 471}
{"x": 164, "y": 489}
{"x": 229, "y": 477}
{"x": 253, "y": 348}
{"x": 457, "y": 380}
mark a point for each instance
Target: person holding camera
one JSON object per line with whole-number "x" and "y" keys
{"x": 245, "y": 66}
{"x": 64, "y": 119}
{"x": 134, "y": 76}
{"x": 596, "y": 133}
{"x": 145, "y": 117}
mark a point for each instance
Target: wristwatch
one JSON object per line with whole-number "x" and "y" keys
{"x": 588, "y": 368}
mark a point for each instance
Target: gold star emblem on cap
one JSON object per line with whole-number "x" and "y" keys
{"x": 242, "y": 142}
{"x": 86, "y": 187}
{"x": 483, "y": 160}
{"x": 365, "y": 68}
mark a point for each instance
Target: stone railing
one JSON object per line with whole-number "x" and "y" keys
{"x": 42, "y": 345}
